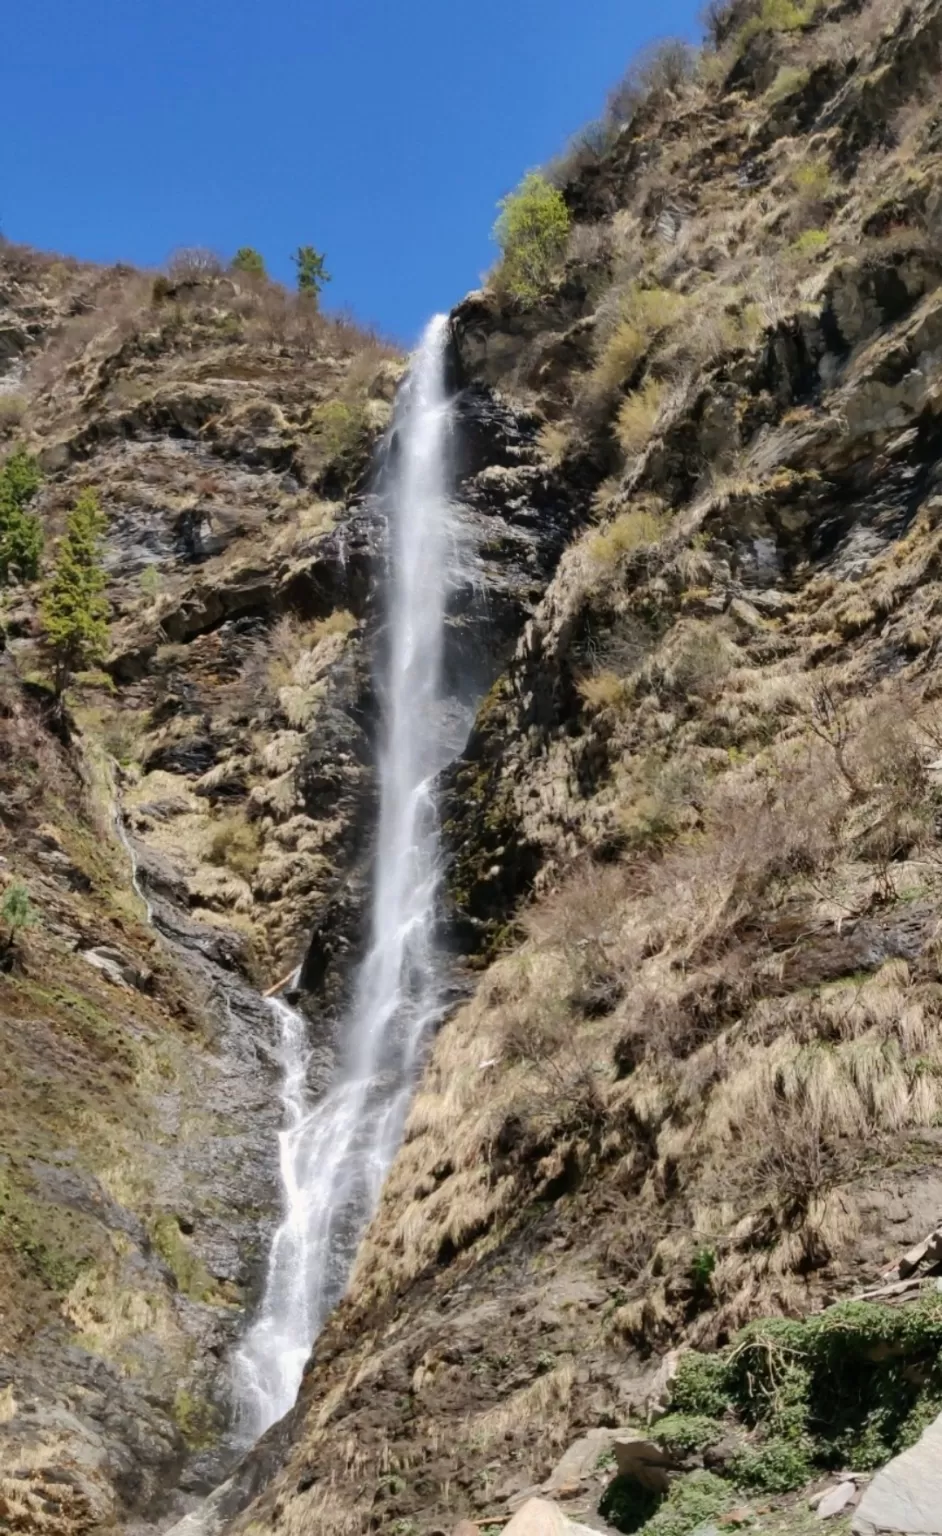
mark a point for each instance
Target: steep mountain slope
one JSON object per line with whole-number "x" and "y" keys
{"x": 228, "y": 430}
{"x": 222, "y": 425}
{"x": 695, "y": 839}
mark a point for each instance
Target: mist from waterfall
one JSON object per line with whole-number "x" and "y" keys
{"x": 334, "y": 1152}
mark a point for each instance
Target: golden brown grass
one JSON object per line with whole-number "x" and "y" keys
{"x": 637, "y": 528}
{"x": 235, "y": 843}
{"x": 604, "y": 690}
{"x": 638, "y": 415}
{"x": 642, "y": 316}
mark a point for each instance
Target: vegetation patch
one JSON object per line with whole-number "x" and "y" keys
{"x": 532, "y": 232}
{"x": 851, "y": 1387}
{"x": 47, "y": 1240}
{"x": 691, "y": 1501}
{"x": 196, "y": 1419}
{"x": 236, "y": 843}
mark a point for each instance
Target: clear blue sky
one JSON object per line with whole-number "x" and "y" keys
{"x": 380, "y": 131}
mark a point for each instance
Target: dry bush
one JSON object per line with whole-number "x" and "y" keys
{"x": 283, "y": 675}
{"x": 194, "y": 264}
{"x": 604, "y": 690}
{"x": 693, "y": 661}
{"x": 664, "y": 67}
{"x": 554, "y": 440}
{"x": 589, "y": 244}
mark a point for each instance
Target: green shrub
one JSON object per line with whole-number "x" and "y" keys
{"x": 810, "y": 243}
{"x": 776, "y": 16}
{"x": 702, "y": 1266}
{"x": 150, "y": 582}
{"x": 342, "y": 431}
{"x": 686, "y": 1433}
{"x": 690, "y": 1502}
{"x": 21, "y": 536}
{"x": 197, "y": 1420}
{"x": 626, "y": 1505}
{"x": 812, "y": 180}
{"x": 775, "y": 1467}
{"x": 532, "y": 232}
{"x": 700, "y": 1386}
{"x": 191, "y": 1275}
{"x": 789, "y": 79}
{"x": 851, "y": 1386}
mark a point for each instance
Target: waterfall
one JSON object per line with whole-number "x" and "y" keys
{"x": 334, "y": 1153}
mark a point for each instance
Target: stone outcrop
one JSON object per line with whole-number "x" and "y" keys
{"x": 905, "y": 1497}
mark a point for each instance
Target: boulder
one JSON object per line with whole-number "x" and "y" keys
{"x": 117, "y": 967}
{"x": 644, "y": 1460}
{"x": 540, "y": 1517}
{"x": 906, "y": 1496}
{"x": 836, "y": 1501}
{"x": 581, "y": 1460}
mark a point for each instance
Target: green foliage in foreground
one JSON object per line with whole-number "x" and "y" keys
{"x": 850, "y": 1387}
{"x": 21, "y": 535}
{"x": 532, "y": 232}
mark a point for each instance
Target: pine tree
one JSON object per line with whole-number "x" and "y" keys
{"x": 16, "y": 913}
{"x": 249, "y": 261}
{"x": 311, "y": 271}
{"x": 74, "y": 607}
{"x": 21, "y": 535}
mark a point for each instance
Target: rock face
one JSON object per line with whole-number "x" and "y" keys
{"x": 230, "y": 438}
{"x": 690, "y": 876}
{"x": 906, "y": 1496}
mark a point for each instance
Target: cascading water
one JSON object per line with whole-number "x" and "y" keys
{"x": 334, "y": 1154}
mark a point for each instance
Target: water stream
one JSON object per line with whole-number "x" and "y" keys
{"x": 334, "y": 1152}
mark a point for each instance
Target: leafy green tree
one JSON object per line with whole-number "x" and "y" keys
{"x": 249, "y": 261}
{"x": 532, "y": 232}
{"x": 21, "y": 535}
{"x": 16, "y": 912}
{"x": 312, "y": 274}
{"x": 74, "y": 607}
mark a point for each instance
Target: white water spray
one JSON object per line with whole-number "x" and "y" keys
{"x": 333, "y": 1155}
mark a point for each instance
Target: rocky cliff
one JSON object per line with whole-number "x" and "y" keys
{"x": 693, "y": 837}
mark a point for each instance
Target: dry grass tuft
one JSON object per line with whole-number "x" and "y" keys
{"x": 639, "y": 527}
{"x": 638, "y": 415}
